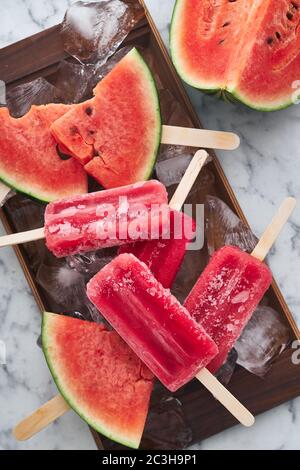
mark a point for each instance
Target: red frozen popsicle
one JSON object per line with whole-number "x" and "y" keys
{"x": 106, "y": 218}
{"x": 225, "y": 296}
{"x": 232, "y": 285}
{"x": 151, "y": 321}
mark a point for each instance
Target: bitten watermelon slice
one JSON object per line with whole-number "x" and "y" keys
{"x": 116, "y": 135}
{"x": 29, "y": 157}
{"x": 99, "y": 376}
{"x": 250, "y": 49}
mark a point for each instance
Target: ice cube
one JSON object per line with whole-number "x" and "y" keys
{"x": 89, "y": 264}
{"x": 166, "y": 427}
{"x": 8, "y": 195}
{"x": 193, "y": 264}
{"x": 225, "y": 373}
{"x": 94, "y": 31}
{"x": 223, "y": 227}
{"x": 265, "y": 337}
{"x": 73, "y": 80}
{"x": 65, "y": 286}
{"x": 22, "y": 97}
{"x": 171, "y": 170}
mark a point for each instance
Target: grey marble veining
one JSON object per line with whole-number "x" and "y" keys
{"x": 262, "y": 172}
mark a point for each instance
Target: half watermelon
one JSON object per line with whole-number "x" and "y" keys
{"x": 116, "y": 135}
{"x": 29, "y": 157}
{"x": 249, "y": 49}
{"x": 99, "y": 376}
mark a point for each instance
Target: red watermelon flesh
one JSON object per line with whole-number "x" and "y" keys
{"x": 99, "y": 376}
{"x": 116, "y": 135}
{"x": 29, "y": 160}
{"x": 246, "y": 48}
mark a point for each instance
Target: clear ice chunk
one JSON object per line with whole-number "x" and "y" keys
{"x": 22, "y": 97}
{"x": 225, "y": 372}
{"x": 223, "y": 227}
{"x": 171, "y": 171}
{"x": 265, "y": 337}
{"x": 89, "y": 264}
{"x": 166, "y": 427}
{"x": 95, "y": 30}
{"x": 73, "y": 80}
{"x": 173, "y": 160}
{"x": 3, "y": 191}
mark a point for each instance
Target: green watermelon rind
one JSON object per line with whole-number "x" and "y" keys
{"x": 216, "y": 90}
{"x": 19, "y": 189}
{"x": 101, "y": 428}
{"x": 150, "y": 159}
{"x": 156, "y": 103}
{"x": 184, "y": 77}
{"x": 258, "y": 107}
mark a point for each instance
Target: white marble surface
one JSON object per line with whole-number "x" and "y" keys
{"x": 262, "y": 172}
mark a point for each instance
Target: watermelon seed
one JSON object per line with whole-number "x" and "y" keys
{"x": 74, "y": 130}
{"x": 295, "y": 5}
{"x": 226, "y": 24}
{"x": 221, "y": 41}
{"x": 289, "y": 15}
{"x": 270, "y": 40}
{"x": 89, "y": 111}
{"x": 278, "y": 35}
{"x": 62, "y": 155}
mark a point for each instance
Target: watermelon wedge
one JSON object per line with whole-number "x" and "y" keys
{"x": 116, "y": 135}
{"x": 29, "y": 157}
{"x": 248, "y": 49}
{"x": 99, "y": 376}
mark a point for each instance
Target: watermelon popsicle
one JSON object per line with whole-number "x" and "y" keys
{"x": 225, "y": 296}
{"x": 98, "y": 220}
{"x": 159, "y": 330}
{"x": 106, "y": 218}
{"x": 231, "y": 287}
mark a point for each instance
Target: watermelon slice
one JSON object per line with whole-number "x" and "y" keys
{"x": 249, "y": 49}
{"x": 116, "y": 135}
{"x": 99, "y": 376}
{"x": 29, "y": 158}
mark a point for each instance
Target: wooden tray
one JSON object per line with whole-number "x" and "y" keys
{"x": 38, "y": 56}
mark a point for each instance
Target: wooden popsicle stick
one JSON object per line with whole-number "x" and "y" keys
{"x": 273, "y": 230}
{"x": 41, "y": 418}
{"x": 200, "y": 138}
{"x": 22, "y": 237}
{"x": 4, "y": 190}
{"x": 188, "y": 180}
{"x": 225, "y": 398}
